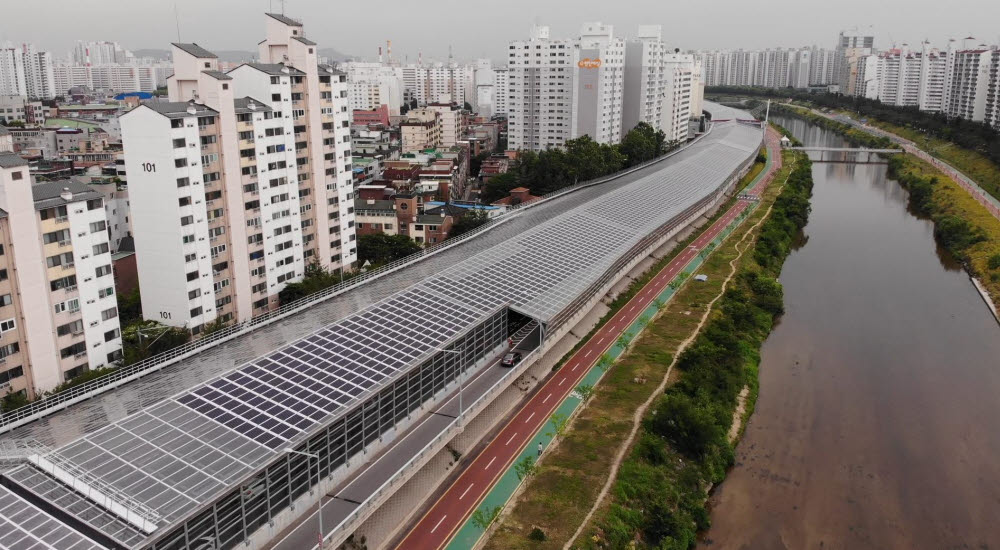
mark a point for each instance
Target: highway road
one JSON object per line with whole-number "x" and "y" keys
{"x": 439, "y": 524}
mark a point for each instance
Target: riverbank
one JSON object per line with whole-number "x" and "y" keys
{"x": 963, "y": 226}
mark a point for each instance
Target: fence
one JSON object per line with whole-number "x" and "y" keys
{"x": 56, "y": 402}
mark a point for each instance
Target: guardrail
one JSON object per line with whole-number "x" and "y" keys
{"x": 56, "y": 402}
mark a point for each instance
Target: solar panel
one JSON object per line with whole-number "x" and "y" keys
{"x": 25, "y": 527}
{"x": 182, "y": 452}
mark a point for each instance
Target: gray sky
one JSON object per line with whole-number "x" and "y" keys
{"x": 477, "y": 28}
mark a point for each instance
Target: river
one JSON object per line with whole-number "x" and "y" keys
{"x": 878, "y": 421}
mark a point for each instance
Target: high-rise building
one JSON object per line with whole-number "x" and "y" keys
{"x": 58, "y": 310}
{"x": 598, "y": 83}
{"x": 540, "y": 99}
{"x": 933, "y": 64}
{"x": 240, "y": 180}
{"x": 852, "y": 46}
{"x": 679, "y": 86}
{"x": 26, "y": 71}
{"x": 970, "y": 83}
{"x": 98, "y": 53}
{"x": 644, "y": 85}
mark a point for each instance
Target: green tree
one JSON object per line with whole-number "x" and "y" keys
{"x": 471, "y": 220}
{"x": 380, "y": 248}
{"x": 129, "y": 307}
{"x": 484, "y": 516}
{"x": 585, "y": 391}
{"x": 559, "y": 422}
{"x": 144, "y": 339}
{"x": 525, "y": 467}
{"x": 605, "y": 362}
{"x": 622, "y": 341}
{"x": 690, "y": 426}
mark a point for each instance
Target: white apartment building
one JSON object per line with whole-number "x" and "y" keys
{"x": 933, "y": 65}
{"x": 374, "y": 84}
{"x": 970, "y": 83}
{"x": 111, "y": 78}
{"x": 450, "y": 120}
{"x": 421, "y": 130}
{"x": 800, "y": 68}
{"x": 679, "y": 85}
{"x": 26, "y": 71}
{"x": 852, "y": 46}
{"x": 501, "y": 91}
{"x": 598, "y": 84}
{"x": 865, "y": 71}
{"x": 540, "y": 99}
{"x": 644, "y": 82}
{"x": 100, "y": 52}
{"x": 240, "y": 180}
{"x": 58, "y": 310}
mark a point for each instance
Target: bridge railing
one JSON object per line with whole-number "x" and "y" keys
{"x": 58, "y": 401}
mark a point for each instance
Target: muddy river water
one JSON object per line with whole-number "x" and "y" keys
{"x": 878, "y": 421}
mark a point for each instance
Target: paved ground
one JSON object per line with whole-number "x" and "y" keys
{"x": 440, "y": 523}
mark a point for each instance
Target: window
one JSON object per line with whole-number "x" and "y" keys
{"x": 16, "y": 175}
{"x": 105, "y": 292}
{"x": 183, "y": 182}
{"x": 103, "y": 270}
{"x": 67, "y": 283}
{"x": 111, "y": 335}
{"x": 98, "y": 226}
{"x": 10, "y": 374}
{"x": 196, "y": 311}
{"x": 208, "y": 140}
{"x": 49, "y": 213}
{"x": 192, "y": 276}
{"x": 275, "y": 97}
{"x": 194, "y": 294}
{"x": 187, "y": 220}
{"x": 187, "y": 239}
{"x": 7, "y": 325}
{"x": 184, "y": 201}
{"x": 180, "y": 163}
{"x": 9, "y": 349}
{"x": 177, "y": 123}
{"x": 56, "y": 236}
{"x": 101, "y": 248}
{"x": 117, "y": 354}
{"x": 109, "y": 314}
{"x": 65, "y": 259}
{"x": 260, "y": 303}
{"x": 3, "y": 275}
{"x": 77, "y": 348}
{"x": 179, "y": 143}
{"x": 76, "y": 327}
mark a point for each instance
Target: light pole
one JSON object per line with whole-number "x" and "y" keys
{"x": 456, "y": 352}
{"x": 319, "y": 503}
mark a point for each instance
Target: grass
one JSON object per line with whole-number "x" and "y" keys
{"x": 981, "y": 169}
{"x": 569, "y": 479}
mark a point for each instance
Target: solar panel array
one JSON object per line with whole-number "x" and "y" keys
{"x": 25, "y": 527}
{"x": 178, "y": 454}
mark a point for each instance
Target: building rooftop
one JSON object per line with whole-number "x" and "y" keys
{"x": 218, "y": 75}
{"x": 243, "y": 105}
{"x": 430, "y": 219}
{"x": 11, "y": 160}
{"x": 276, "y": 69}
{"x": 374, "y": 204}
{"x": 178, "y": 109}
{"x": 286, "y": 20}
{"x": 195, "y": 50}
{"x": 304, "y": 40}
{"x": 47, "y": 195}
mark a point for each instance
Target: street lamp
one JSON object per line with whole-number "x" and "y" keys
{"x": 319, "y": 503}
{"x": 456, "y": 352}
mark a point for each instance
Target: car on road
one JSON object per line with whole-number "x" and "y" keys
{"x": 511, "y": 359}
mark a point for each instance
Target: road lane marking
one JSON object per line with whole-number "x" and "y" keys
{"x": 574, "y": 367}
{"x": 439, "y": 523}
{"x": 561, "y": 382}
{"x": 546, "y": 398}
{"x": 466, "y": 491}
{"x": 601, "y": 340}
{"x": 490, "y": 464}
{"x": 529, "y": 418}
{"x": 511, "y": 439}
{"x": 586, "y": 355}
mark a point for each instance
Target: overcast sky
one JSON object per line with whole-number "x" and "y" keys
{"x": 478, "y": 28}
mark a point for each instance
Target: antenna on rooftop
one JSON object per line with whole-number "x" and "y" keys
{"x": 177, "y": 22}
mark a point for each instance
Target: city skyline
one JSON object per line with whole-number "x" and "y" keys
{"x": 469, "y": 40}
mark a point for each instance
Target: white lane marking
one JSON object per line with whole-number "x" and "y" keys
{"x": 529, "y": 418}
{"x": 586, "y": 355}
{"x": 546, "y": 398}
{"x": 601, "y": 340}
{"x": 574, "y": 367}
{"x": 490, "y": 463}
{"x": 466, "y": 491}
{"x": 439, "y": 523}
{"x": 511, "y": 439}
{"x": 561, "y": 382}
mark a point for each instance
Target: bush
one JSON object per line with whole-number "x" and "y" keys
{"x": 993, "y": 262}
{"x": 537, "y": 535}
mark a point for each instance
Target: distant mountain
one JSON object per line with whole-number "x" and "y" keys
{"x": 234, "y": 56}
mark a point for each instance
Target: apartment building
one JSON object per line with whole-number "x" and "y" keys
{"x": 58, "y": 311}
{"x": 451, "y": 120}
{"x": 852, "y": 46}
{"x": 540, "y": 100}
{"x": 598, "y": 84}
{"x": 970, "y": 83}
{"x": 933, "y": 65}
{"x": 26, "y": 71}
{"x": 680, "y": 88}
{"x": 240, "y": 180}
{"x": 644, "y": 82}
{"x": 421, "y": 130}
{"x": 18, "y": 108}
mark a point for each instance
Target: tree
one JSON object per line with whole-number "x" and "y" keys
{"x": 659, "y": 303}
{"x": 129, "y": 307}
{"x": 380, "y": 248}
{"x": 605, "y": 362}
{"x": 144, "y": 339}
{"x": 641, "y": 144}
{"x": 483, "y": 517}
{"x": 525, "y": 467}
{"x": 687, "y": 423}
{"x": 559, "y": 423}
{"x": 585, "y": 391}
{"x": 622, "y": 341}
{"x": 679, "y": 280}
{"x": 471, "y": 220}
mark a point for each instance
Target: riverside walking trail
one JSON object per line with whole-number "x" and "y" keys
{"x": 489, "y": 478}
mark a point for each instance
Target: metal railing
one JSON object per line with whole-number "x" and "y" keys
{"x": 416, "y": 461}
{"x": 55, "y": 402}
